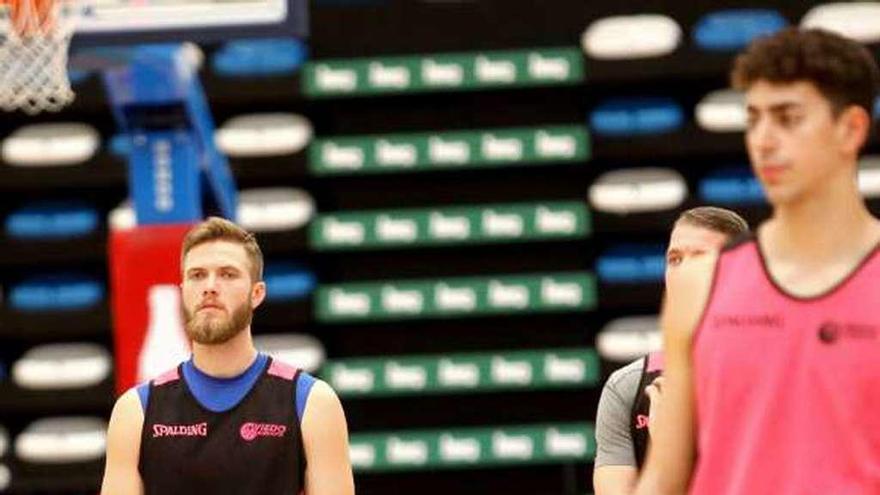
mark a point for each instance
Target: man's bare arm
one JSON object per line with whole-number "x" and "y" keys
{"x": 615, "y": 469}
{"x": 615, "y": 480}
{"x": 121, "y": 475}
{"x": 672, "y": 451}
{"x": 325, "y": 438}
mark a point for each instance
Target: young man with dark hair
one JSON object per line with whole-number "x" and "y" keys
{"x": 772, "y": 378}
{"x": 622, "y": 420}
{"x": 230, "y": 420}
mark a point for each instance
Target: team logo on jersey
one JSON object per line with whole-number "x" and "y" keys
{"x": 831, "y": 331}
{"x": 196, "y": 430}
{"x": 250, "y": 431}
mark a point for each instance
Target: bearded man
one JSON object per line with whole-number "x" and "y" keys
{"x": 229, "y": 420}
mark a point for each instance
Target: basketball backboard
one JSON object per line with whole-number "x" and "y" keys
{"x": 112, "y": 22}
{"x": 37, "y": 36}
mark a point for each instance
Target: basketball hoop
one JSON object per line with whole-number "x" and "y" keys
{"x": 34, "y": 39}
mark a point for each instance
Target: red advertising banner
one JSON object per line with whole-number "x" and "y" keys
{"x": 145, "y": 299}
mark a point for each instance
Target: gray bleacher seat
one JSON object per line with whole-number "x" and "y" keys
{"x": 62, "y": 366}
{"x": 61, "y": 440}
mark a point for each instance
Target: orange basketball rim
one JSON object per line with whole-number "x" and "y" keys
{"x": 30, "y": 17}
{"x": 34, "y": 39}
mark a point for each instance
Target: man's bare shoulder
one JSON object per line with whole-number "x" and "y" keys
{"x": 323, "y": 408}
{"x": 128, "y": 409}
{"x": 123, "y": 446}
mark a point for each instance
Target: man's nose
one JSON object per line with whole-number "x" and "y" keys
{"x": 210, "y": 284}
{"x": 763, "y": 137}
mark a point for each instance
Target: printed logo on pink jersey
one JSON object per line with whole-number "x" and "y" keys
{"x": 196, "y": 430}
{"x": 736, "y": 321}
{"x": 831, "y": 331}
{"x": 250, "y": 431}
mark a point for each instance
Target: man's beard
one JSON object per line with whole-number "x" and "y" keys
{"x": 213, "y": 331}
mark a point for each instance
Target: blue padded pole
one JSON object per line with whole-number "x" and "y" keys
{"x": 174, "y": 164}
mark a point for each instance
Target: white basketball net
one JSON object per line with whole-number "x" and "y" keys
{"x": 33, "y": 56}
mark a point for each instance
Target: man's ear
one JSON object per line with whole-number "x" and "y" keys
{"x": 258, "y": 294}
{"x": 853, "y": 125}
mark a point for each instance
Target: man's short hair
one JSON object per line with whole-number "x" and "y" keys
{"x": 718, "y": 219}
{"x": 220, "y": 229}
{"x": 842, "y": 70}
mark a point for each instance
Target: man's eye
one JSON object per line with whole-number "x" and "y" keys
{"x": 751, "y": 122}
{"x": 787, "y": 120}
{"x": 674, "y": 260}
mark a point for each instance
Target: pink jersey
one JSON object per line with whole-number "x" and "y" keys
{"x": 788, "y": 388}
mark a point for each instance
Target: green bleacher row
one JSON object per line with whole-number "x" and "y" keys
{"x": 472, "y": 447}
{"x": 456, "y": 373}
{"x": 449, "y": 150}
{"x": 443, "y": 72}
{"x": 478, "y": 224}
{"x": 456, "y": 297}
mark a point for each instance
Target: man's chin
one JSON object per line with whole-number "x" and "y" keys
{"x": 208, "y": 328}
{"x": 203, "y": 339}
{"x": 210, "y": 336}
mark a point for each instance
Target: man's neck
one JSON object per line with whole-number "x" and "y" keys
{"x": 829, "y": 226}
{"x": 228, "y": 359}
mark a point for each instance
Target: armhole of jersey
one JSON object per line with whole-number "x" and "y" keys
{"x": 635, "y": 398}
{"x": 654, "y": 362}
{"x": 633, "y": 413}
{"x": 143, "y": 391}
{"x": 304, "y": 385}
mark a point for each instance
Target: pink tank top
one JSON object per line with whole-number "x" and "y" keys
{"x": 788, "y": 388}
